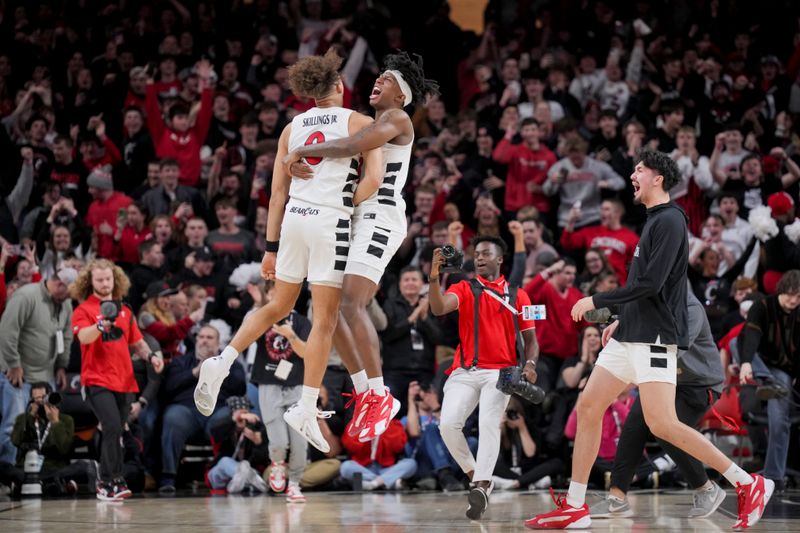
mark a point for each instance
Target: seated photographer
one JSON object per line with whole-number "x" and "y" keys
{"x": 492, "y": 332}
{"x": 34, "y": 344}
{"x": 182, "y": 420}
{"x": 379, "y": 461}
{"x": 45, "y": 431}
{"x": 522, "y": 463}
{"x": 242, "y": 442}
{"x": 425, "y": 439}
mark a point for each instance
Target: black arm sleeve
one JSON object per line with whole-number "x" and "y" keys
{"x": 754, "y": 327}
{"x": 738, "y": 267}
{"x": 517, "y": 269}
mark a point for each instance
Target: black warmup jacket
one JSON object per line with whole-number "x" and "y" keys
{"x": 652, "y": 304}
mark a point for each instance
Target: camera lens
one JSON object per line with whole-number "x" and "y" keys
{"x": 448, "y": 251}
{"x": 54, "y": 399}
{"x": 109, "y": 309}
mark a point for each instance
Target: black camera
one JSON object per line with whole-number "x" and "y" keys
{"x": 53, "y": 399}
{"x": 453, "y": 259}
{"x": 109, "y": 310}
{"x": 512, "y": 381}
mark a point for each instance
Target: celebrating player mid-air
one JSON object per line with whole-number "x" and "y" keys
{"x": 379, "y": 227}
{"x": 307, "y": 237}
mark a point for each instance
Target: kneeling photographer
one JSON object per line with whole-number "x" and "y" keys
{"x": 487, "y": 365}
{"x": 43, "y": 437}
{"x": 107, "y": 331}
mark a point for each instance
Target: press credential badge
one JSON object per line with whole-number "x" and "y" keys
{"x": 534, "y": 312}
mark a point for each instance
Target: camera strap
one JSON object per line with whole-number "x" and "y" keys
{"x": 41, "y": 437}
{"x": 508, "y": 300}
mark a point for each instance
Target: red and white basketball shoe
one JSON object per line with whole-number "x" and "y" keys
{"x": 752, "y": 499}
{"x": 360, "y": 410}
{"x": 564, "y": 517}
{"x": 380, "y": 411}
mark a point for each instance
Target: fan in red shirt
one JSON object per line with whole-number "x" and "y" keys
{"x": 557, "y": 334}
{"x": 104, "y": 211}
{"x": 528, "y": 163}
{"x": 106, "y": 366}
{"x": 95, "y": 148}
{"x": 175, "y": 139}
{"x": 377, "y": 460}
{"x": 132, "y": 233}
{"x": 618, "y": 242}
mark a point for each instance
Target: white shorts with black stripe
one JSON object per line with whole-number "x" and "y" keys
{"x": 314, "y": 244}
{"x": 638, "y": 363}
{"x": 372, "y": 246}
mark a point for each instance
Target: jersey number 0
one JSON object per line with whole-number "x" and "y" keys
{"x": 315, "y": 138}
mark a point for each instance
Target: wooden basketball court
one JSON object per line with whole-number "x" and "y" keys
{"x": 361, "y": 513}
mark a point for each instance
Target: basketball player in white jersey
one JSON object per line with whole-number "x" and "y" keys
{"x": 307, "y": 238}
{"x": 379, "y": 227}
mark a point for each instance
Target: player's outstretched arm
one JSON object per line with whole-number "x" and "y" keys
{"x": 371, "y": 135}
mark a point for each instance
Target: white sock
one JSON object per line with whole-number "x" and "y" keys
{"x": 229, "y": 354}
{"x": 376, "y": 385}
{"x": 576, "y": 495}
{"x": 736, "y": 476}
{"x": 309, "y": 399}
{"x": 359, "y": 381}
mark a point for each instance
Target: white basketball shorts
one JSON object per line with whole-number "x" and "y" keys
{"x": 637, "y": 363}
{"x": 372, "y": 246}
{"x": 314, "y": 244}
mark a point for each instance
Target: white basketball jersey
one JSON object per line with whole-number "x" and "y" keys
{"x": 334, "y": 179}
{"x": 387, "y": 202}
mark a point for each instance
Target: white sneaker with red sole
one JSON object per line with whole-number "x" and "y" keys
{"x": 752, "y": 499}
{"x": 277, "y": 476}
{"x": 564, "y": 517}
{"x": 380, "y": 411}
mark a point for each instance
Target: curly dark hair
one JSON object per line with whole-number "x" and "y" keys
{"x": 662, "y": 164}
{"x": 411, "y": 69}
{"x": 314, "y": 76}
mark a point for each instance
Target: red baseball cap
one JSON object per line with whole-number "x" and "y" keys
{"x": 780, "y": 203}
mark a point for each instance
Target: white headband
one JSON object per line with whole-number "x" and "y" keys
{"x": 404, "y": 87}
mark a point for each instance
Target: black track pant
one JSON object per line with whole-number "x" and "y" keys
{"x": 111, "y": 409}
{"x": 691, "y": 403}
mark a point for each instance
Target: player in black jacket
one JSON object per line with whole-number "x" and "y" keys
{"x": 652, "y": 326}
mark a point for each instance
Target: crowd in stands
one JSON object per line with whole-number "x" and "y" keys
{"x": 145, "y": 133}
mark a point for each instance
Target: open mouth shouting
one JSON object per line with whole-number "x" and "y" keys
{"x": 376, "y": 92}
